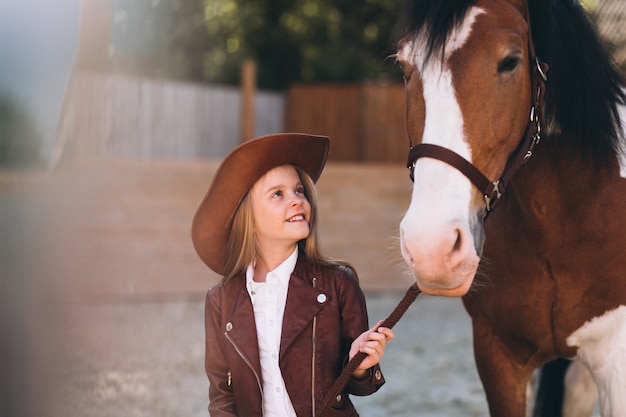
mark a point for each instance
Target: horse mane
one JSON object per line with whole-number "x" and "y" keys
{"x": 434, "y": 19}
{"x": 584, "y": 87}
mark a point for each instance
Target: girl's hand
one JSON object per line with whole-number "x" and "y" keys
{"x": 373, "y": 343}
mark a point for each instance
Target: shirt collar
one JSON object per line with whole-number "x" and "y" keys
{"x": 279, "y": 275}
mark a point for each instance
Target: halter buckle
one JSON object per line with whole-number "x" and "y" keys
{"x": 496, "y": 193}
{"x": 411, "y": 168}
{"x": 536, "y": 137}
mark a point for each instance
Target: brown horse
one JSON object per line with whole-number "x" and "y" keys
{"x": 519, "y": 195}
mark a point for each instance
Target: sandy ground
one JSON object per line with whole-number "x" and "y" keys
{"x": 103, "y": 293}
{"x": 145, "y": 359}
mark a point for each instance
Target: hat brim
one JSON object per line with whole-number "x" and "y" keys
{"x": 237, "y": 173}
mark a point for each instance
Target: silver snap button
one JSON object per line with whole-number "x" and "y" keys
{"x": 338, "y": 398}
{"x": 377, "y": 375}
{"x": 321, "y": 298}
{"x": 229, "y": 326}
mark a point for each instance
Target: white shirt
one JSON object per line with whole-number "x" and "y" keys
{"x": 268, "y": 300}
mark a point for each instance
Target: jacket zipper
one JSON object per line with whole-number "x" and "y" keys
{"x": 313, "y": 358}
{"x": 245, "y": 359}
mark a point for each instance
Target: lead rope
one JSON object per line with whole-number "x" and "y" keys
{"x": 337, "y": 388}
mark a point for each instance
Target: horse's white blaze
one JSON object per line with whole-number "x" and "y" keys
{"x": 601, "y": 344}
{"x": 439, "y": 213}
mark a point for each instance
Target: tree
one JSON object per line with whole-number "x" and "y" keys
{"x": 291, "y": 40}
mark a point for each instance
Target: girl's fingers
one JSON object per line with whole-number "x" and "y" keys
{"x": 373, "y": 347}
{"x": 387, "y": 332}
{"x": 373, "y": 343}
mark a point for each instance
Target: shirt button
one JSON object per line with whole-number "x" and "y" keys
{"x": 377, "y": 375}
{"x": 321, "y": 298}
{"x": 338, "y": 398}
{"x": 229, "y": 326}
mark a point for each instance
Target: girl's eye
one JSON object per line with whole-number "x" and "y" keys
{"x": 278, "y": 193}
{"x": 300, "y": 190}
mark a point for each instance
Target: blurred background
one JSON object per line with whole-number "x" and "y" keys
{"x": 114, "y": 115}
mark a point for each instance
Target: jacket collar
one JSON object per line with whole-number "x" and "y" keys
{"x": 304, "y": 302}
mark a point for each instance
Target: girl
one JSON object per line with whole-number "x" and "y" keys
{"x": 284, "y": 320}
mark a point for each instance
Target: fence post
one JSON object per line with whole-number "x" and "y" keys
{"x": 248, "y": 87}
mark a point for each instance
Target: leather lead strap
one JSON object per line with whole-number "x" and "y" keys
{"x": 339, "y": 385}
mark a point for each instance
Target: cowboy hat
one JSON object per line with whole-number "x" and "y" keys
{"x": 237, "y": 173}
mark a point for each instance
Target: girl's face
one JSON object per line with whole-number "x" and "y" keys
{"x": 280, "y": 210}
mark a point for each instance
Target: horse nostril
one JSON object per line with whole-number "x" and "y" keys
{"x": 459, "y": 249}
{"x": 458, "y": 243}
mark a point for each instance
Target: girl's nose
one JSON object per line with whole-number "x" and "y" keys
{"x": 297, "y": 200}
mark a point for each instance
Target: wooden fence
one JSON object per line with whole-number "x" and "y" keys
{"x": 117, "y": 115}
{"x": 113, "y": 115}
{"x": 366, "y": 122}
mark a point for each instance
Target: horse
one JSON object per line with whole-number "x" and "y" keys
{"x": 515, "y": 116}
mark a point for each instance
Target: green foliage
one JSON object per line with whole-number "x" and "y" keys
{"x": 20, "y": 143}
{"x": 291, "y": 40}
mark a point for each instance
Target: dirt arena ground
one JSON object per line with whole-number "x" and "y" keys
{"x": 103, "y": 304}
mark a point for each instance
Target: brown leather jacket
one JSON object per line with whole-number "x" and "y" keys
{"x": 325, "y": 311}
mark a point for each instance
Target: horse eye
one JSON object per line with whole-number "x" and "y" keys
{"x": 406, "y": 76}
{"x": 508, "y": 64}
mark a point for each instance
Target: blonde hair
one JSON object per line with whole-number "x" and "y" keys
{"x": 241, "y": 246}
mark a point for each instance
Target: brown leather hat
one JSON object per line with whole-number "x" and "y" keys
{"x": 237, "y": 173}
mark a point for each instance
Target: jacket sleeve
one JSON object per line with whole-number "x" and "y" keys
{"x": 368, "y": 385}
{"x": 221, "y": 399}
{"x": 355, "y": 321}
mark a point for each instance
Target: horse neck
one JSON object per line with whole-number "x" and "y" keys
{"x": 557, "y": 184}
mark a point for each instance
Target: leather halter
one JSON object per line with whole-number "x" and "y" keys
{"x": 492, "y": 190}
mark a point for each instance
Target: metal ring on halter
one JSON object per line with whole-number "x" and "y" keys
{"x": 541, "y": 72}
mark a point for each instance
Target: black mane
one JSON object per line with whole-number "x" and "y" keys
{"x": 584, "y": 87}
{"x": 436, "y": 19}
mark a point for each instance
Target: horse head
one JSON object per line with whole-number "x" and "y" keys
{"x": 462, "y": 66}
